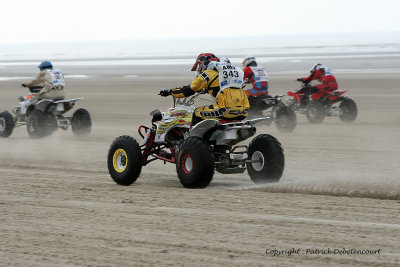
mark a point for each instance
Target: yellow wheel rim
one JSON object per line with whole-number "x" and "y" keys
{"x": 120, "y": 160}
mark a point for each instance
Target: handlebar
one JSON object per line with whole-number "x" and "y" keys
{"x": 33, "y": 89}
{"x": 303, "y": 82}
{"x": 187, "y": 101}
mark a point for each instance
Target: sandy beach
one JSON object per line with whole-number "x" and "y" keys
{"x": 340, "y": 188}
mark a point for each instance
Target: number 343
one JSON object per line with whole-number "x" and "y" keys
{"x": 232, "y": 73}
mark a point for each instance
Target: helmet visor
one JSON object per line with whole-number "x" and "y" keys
{"x": 196, "y": 64}
{"x": 199, "y": 60}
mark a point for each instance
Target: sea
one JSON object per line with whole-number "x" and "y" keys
{"x": 376, "y": 51}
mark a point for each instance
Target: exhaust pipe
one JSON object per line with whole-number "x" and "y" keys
{"x": 243, "y": 134}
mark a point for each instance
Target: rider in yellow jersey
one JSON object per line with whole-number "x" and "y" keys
{"x": 223, "y": 82}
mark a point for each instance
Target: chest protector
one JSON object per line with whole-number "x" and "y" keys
{"x": 229, "y": 76}
{"x": 57, "y": 77}
{"x": 260, "y": 75}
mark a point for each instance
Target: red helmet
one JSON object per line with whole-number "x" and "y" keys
{"x": 203, "y": 60}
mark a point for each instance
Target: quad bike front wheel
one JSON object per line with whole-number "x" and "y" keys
{"x": 315, "y": 112}
{"x": 81, "y": 122}
{"x": 6, "y": 124}
{"x": 195, "y": 163}
{"x": 124, "y": 160}
{"x": 349, "y": 110}
{"x": 267, "y": 159}
{"x": 285, "y": 119}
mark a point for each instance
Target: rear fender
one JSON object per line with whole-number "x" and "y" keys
{"x": 201, "y": 128}
{"x": 342, "y": 92}
{"x": 227, "y": 133}
{"x": 334, "y": 95}
{"x": 67, "y": 104}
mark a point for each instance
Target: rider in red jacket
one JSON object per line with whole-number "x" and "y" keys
{"x": 322, "y": 74}
{"x": 319, "y": 73}
{"x": 258, "y": 77}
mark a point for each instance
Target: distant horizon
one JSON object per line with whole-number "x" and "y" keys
{"x": 234, "y": 46}
{"x": 369, "y": 34}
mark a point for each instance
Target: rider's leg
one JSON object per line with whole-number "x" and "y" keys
{"x": 217, "y": 113}
{"x": 53, "y": 94}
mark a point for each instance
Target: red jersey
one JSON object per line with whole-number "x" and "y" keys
{"x": 259, "y": 79}
{"x": 328, "y": 81}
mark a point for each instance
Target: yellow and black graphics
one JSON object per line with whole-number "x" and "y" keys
{"x": 178, "y": 117}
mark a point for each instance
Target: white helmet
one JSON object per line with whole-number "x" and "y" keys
{"x": 225, "y": 61}
{"x": 249, "y": 60}
{"x": 213, "y": 64}
{"x": 318, "y": 66}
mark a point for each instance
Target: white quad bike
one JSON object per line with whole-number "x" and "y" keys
{"x": 44, "y": 117}
{"x": 197, "y": 152}
{"x": 272, "y": 108}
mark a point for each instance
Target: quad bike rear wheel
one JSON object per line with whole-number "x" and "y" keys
{"x": 124, "y": 160}
{"x": 349, "y": 110}
{"x": 195, "y": 163}
{"x": 81, "y": 122}
{"x": 37, "y": 124}
{"x": 285, "y": 119}
{"x": 6, "y": 124}
{"x": 268, "y": 160}
{"x": 315, "y": 112}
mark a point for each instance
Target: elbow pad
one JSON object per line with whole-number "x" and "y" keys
{"x": 187, "y": 91}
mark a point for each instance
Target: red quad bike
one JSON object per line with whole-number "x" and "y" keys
{"x": 196, "y": 151}
{"x": 322, "y": 104}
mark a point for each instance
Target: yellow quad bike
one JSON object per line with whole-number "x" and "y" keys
{"x": 211, "y": 145}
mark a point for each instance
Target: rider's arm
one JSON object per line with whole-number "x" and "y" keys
{"x": 198, "y": 84}
{"x": 40, "y": 78}
{"x": 247, "y": 72}
{"x": 181, "y": 92}
{"x": 208, "y": 79}
{"x": 313, "y": 76}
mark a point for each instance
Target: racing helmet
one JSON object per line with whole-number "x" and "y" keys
{"x": 45, "y": 65}
{"x": 318, "y": 66}
{"x": 213, "y": 64}
{"x": 225, "y": 61}
{"x": 203, "y": 60}
{"x": 249, "y": 61}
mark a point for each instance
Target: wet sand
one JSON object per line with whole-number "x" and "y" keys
{"x": 340, "y": 188}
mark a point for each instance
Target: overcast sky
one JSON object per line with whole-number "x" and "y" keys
{"x": 74, "y": 20}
